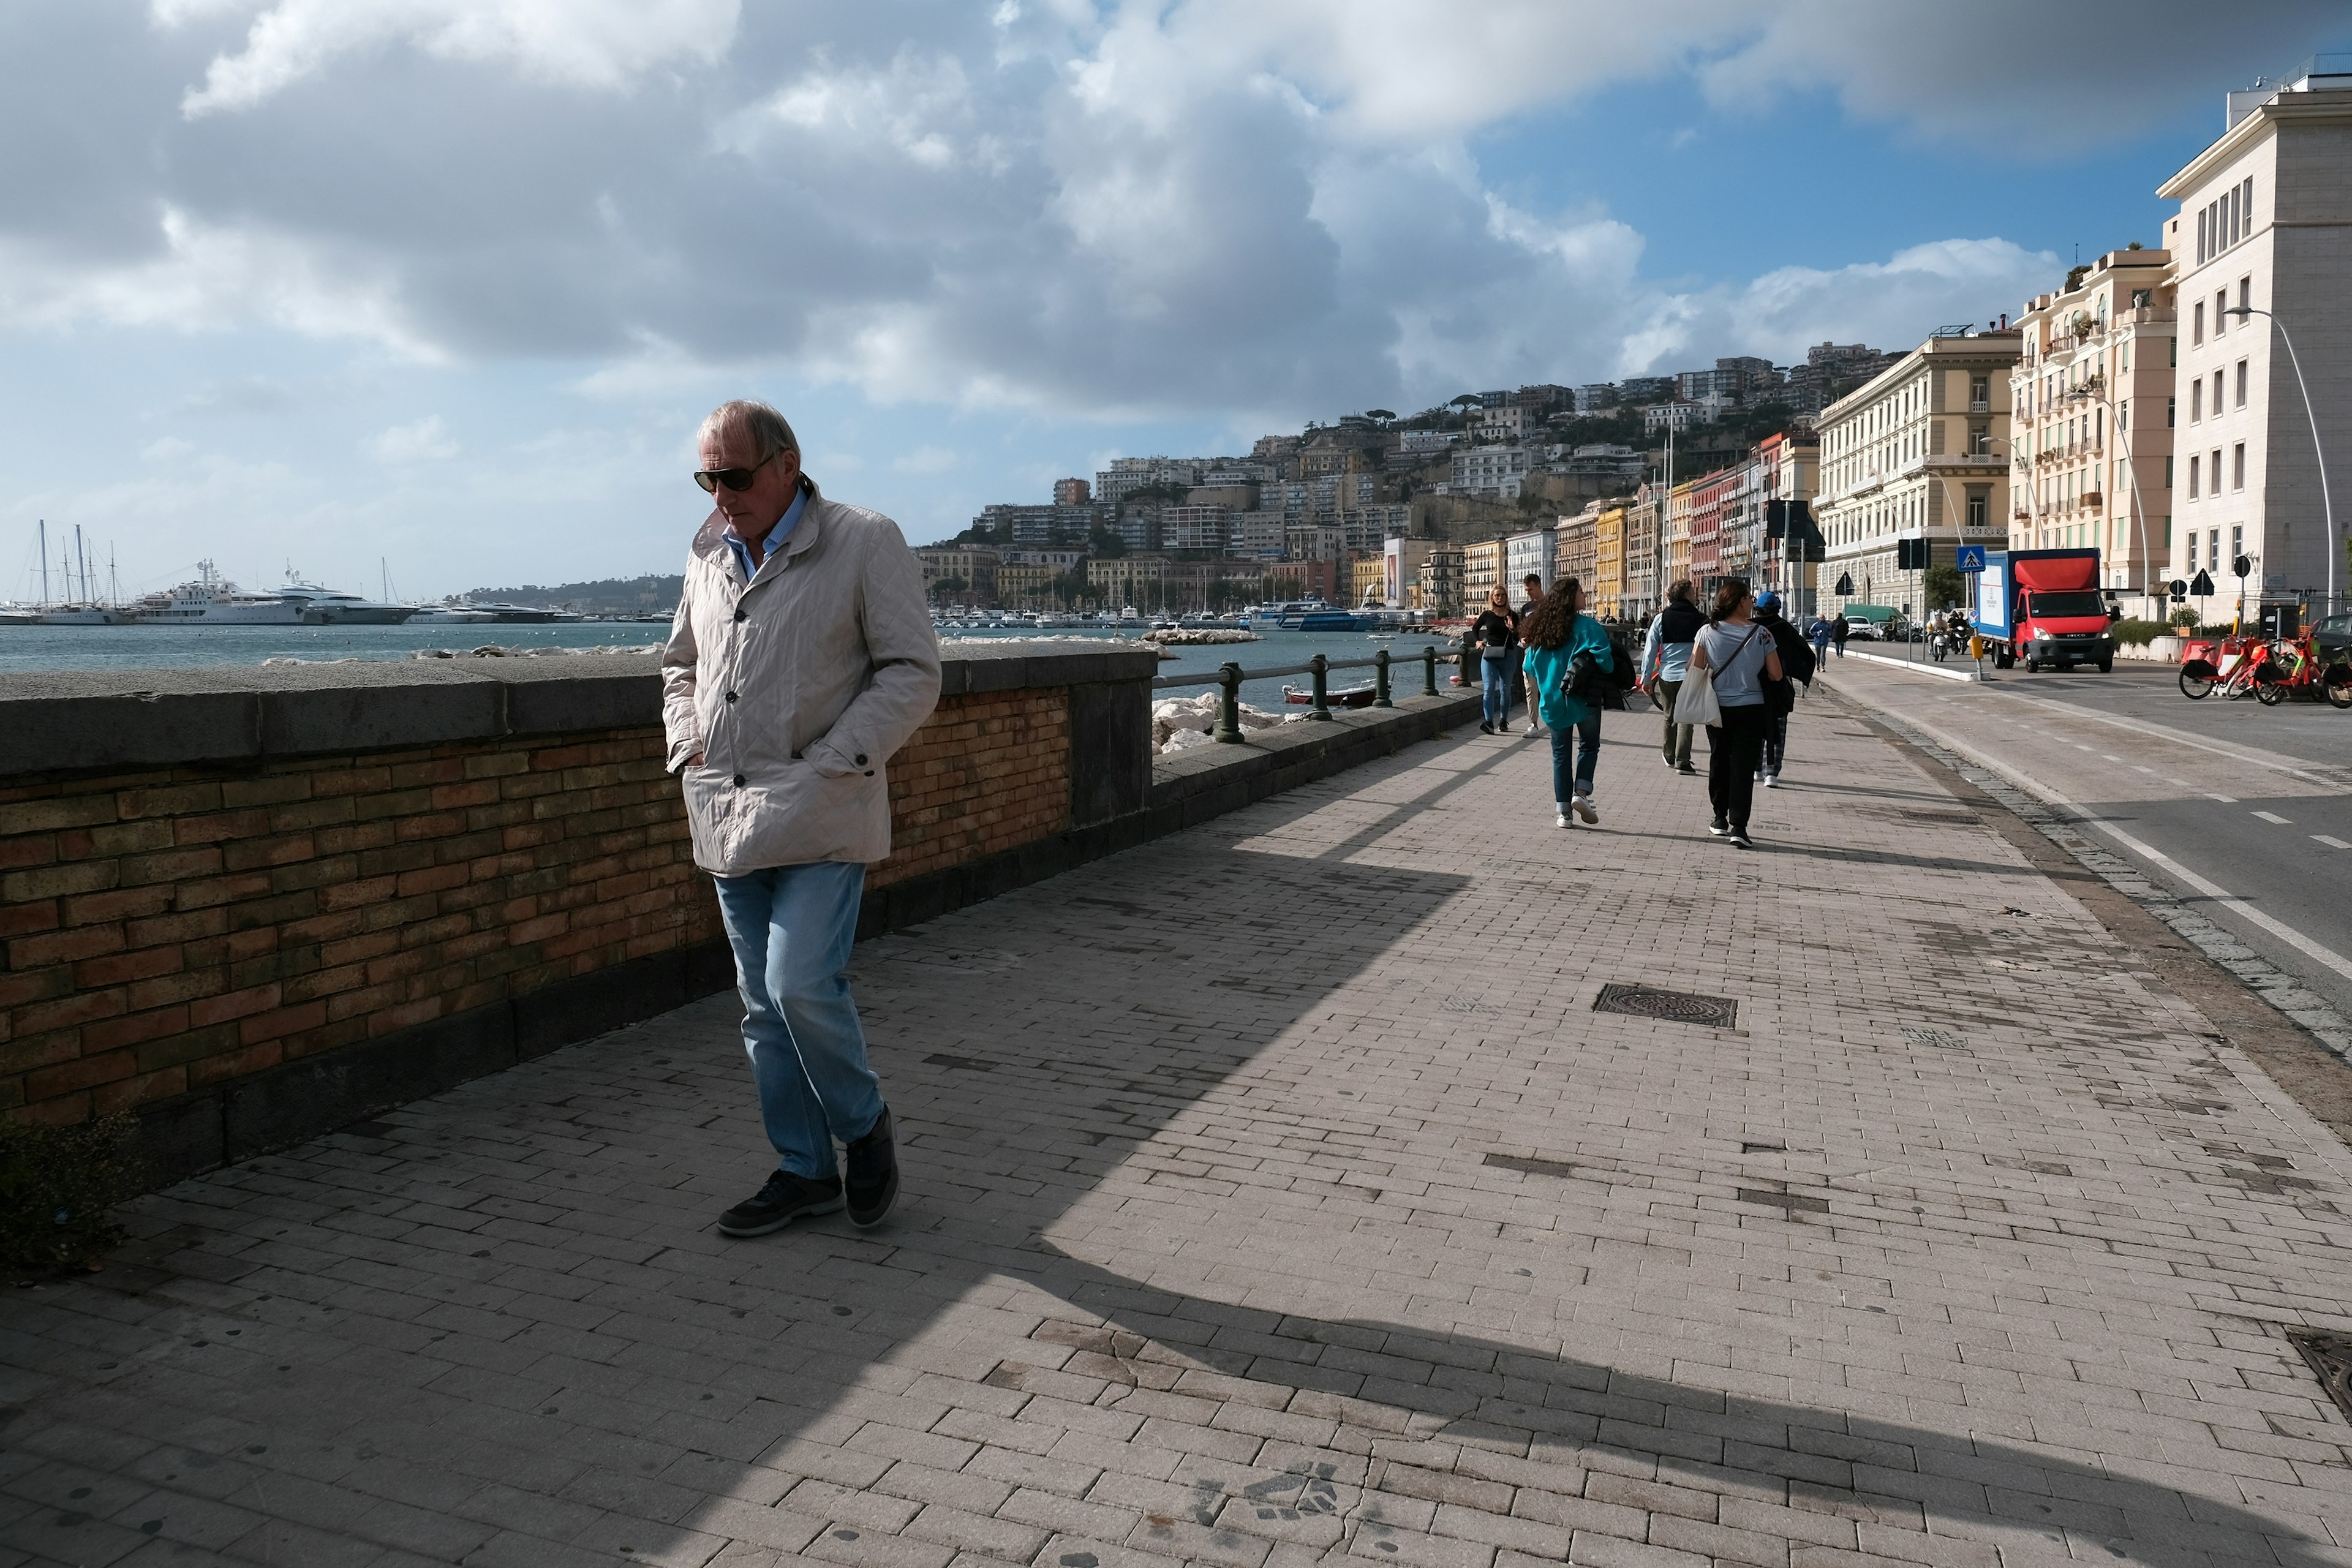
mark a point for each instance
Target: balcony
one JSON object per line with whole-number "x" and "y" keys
{"x": 2093, "y": 500}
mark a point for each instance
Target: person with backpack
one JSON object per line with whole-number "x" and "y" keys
{"x": 1738, "y": 656}
{"x": 1780, "y": 697}
{"x": 1497, "y": 634}
{"x": 1666, "y": 662}
{"x": 1841, "y": 629}
{"x": 1572, "y": 663}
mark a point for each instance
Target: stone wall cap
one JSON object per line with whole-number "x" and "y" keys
{"x": 76, "y": 720}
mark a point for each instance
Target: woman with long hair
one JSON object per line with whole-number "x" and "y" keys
{"x": 1568, "y": 658}
{"x": 1739, "y": 657}
{"x": 1497, "y": 632}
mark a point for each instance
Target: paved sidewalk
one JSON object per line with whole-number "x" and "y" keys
{"x": 1274, "y": 1194}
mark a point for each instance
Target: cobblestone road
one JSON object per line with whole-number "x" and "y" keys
{"x": 1276, "y": 1194}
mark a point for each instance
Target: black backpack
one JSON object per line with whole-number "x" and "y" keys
{"x": 1623, "y": 664}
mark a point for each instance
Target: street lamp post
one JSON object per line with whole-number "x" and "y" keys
{"x": 2093, "y": 390}
{"x": 2327, "y": 506}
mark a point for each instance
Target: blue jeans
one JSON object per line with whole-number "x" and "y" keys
{"x": 1588, "y": 757}
{"x": 1499, "y": 676}
{"x": 791, "y": 928}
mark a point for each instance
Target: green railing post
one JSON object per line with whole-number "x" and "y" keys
{"x": 1380, "y": 679}
{"x": 1318, "y": 665}
{"x": 1229, "y": 703}
{"x": 1429, "y": 671}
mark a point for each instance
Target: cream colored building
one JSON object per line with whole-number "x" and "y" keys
{"x": 1128, "y": 579}
{"x": 1917, "y": 452}
{"x": 2265, "y": 224}
{"x": 1573, "y": 548}
{"x": 2090, "y": 401}
{"x": 958, "y": 574}
{"x": 1481, "y": 568}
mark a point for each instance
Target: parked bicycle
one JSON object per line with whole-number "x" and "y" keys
{"x": 2268, "y": 669}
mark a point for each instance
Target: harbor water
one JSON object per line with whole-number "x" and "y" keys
{"x": 29, "y": 649}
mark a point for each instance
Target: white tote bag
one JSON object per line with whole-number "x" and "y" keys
{"x": 1695, "y": 703}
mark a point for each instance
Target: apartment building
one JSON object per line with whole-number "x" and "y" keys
{"x": 1493, "y": 471}
{"x": 1640, "y": 589}
{"x": 1897, "y": 463}
{"x": 1674, "y": 547}
{"x": 1661, "y": 416}
{"x": 958, "y": 574}
{"x": 2090, "y": 398}
{"x": 1025, "y": 584}
{"x": 1704, "y": 500}
{"x": 2265, "y": 226}
{"x": 1572, "y": 548}
{"x": 1196, "y": 528}
{"x": 1072, "y": 493}
{"x": 1368, "y": 576}
{"x": 1259, "y": 535}
{"x": 1482, "y": 569}
{"x": 1788, "y": 473}
{"x": 1442, "y": 582}
{"x": 1128, "y": 579}
{"x": 1523, "y": 555}
{"x": 1608, "y": 587}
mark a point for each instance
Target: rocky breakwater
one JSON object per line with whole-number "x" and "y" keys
{"x": 1199, "y": 636}
{"x": 1180, "y": 721}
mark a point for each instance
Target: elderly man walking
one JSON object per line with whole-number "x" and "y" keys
{"x": 801, "y": 657}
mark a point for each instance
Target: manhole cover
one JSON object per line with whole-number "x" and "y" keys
{"x": 2330, "y": 1356}
{"x": 1676, "y": 1006}
{"x": 1937, "y": 1039}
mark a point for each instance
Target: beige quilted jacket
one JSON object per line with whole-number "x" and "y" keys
{"x": 796, "y": 688}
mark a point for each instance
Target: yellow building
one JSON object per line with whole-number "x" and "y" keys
{"x": 1572, "y": 546}
{"x": 1481, "y": 568}
{"x": 1128, "y": 580}
{"x": 1677, "y": 545}
{"x": 1370, "y": 575}
{"x": 1025, "y": 585}
{"x": 1608, "y": 561}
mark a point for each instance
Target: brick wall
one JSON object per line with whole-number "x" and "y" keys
{"x": 989, "y": 773}
{"x": 168, "y": 930}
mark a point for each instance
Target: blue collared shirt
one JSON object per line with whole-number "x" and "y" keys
{"x": 776, "y": 535}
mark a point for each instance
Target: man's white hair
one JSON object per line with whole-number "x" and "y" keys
{"x": 769, "y": 430}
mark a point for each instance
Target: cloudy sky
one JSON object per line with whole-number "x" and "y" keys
{"x": 445, "y": 285}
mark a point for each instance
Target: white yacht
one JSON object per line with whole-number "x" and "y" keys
{"x": 212, "y": 600}
{"x": 333, "y": 607}
{"x": 452, "y": 612}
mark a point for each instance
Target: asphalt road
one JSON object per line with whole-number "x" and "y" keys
{"x": 2245, "y": 811}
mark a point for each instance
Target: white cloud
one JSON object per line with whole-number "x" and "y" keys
{"x": 168, "y": 450}
{"x": 927, "y": 460}
{"x": 425, "y": 440}
{"x": 578, "y": 43}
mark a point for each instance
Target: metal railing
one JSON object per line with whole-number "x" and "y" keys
{"x": 1230, "y": 675}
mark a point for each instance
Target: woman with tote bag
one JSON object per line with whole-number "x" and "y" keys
{"x": 1731, "y": 659}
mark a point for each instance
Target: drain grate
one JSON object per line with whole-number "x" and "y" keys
{"x": 2330, "y": 1357}
{"x": 1674, "y": 1007}
{"x": 1937, "y": 1039}
{"x": 1532, "y": 1167}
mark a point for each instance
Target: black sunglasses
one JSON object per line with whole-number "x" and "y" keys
{"x": 736, "y": 479}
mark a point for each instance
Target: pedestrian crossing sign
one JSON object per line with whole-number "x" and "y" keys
{"x": 1969, "y": 558}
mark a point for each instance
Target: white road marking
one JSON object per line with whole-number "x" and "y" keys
{"x": 2224, "y": 799}
{"x": 2274, "y": 816}
{"x": 2111, "y": 756}
{"x": 2213, "y": 892}
{"x": 2276, "y": 762}
{"x": 2136, "y": 768}
{"x": 2331, "y": 843}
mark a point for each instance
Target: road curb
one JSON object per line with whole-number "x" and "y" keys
{"x": 1971, "y": 674}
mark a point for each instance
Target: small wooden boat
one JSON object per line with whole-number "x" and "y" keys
{"x": 1353, "y": 696}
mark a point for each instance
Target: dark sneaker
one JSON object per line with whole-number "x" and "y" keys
{"x": 1719, "y": 827}
{"x": 1739, "y": 839}
{"x": 873, "y": 1185}
{"x": 1686, "y": 768}
{"x": 785, "y": 1198}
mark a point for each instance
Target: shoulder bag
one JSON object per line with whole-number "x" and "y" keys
{"x": 1698, "y": 704}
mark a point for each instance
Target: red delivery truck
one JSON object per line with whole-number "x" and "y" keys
{"x": 2044, "y": 606}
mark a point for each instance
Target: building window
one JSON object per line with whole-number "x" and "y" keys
{"x": 2221, "y": 303}
{"x": 2167, "y": 535}
{"x": 1979, "y": 506}
{"x": 2192, "y": 479}
{"x": 2172, "y": 345}
{"x": 2241, "y": 384}
{"x": 1979, "y": 394}
{"x": 2167, "y": 473}
{"x": 2238, "y": 467}
{"x": 2196, "y": 324}
{"x": 2237, "y": 543}
{"x": 2246, "y": 293}
{"x": 2171, "y": 410}
{"x": 2197, "y": 400}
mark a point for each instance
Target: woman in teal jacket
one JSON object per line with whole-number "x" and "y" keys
{"x": 1557, "y": 632}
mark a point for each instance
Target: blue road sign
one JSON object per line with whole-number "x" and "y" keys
{"x": 1971, "y": 558}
